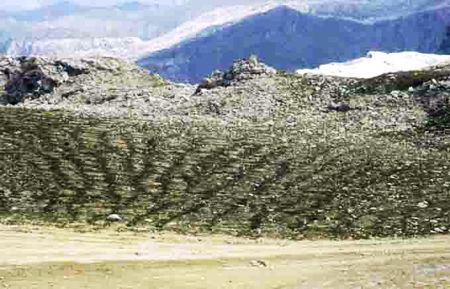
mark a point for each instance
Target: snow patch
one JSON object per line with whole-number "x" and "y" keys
{"x": 377, "y": 63}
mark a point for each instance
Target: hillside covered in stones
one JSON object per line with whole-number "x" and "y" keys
{"x": 249, "y": 150}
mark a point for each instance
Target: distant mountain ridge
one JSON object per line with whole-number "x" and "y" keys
{"x": 70, "y": 47}
{"x": 288, "y": 39}
{"x": 134, "y": 47}
{"x": 64, "y": 19}
{"x": 185, "y": 39}
{"x": 60, "y": 9}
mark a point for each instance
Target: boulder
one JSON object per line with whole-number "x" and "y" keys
{"x": 25, "y": 78}
{"x": 240, "y": 70}
{"x": 31, "y": 77}
{"x": 114, "y": 218}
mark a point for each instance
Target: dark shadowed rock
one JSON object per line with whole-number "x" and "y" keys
{"x": 343, "y": 107}
{"x": 258, "y": 263}
{"x": 90, "y": 80}
{"x": 32, "y": 77}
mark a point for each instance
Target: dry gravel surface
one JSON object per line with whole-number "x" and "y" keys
{"x": 37, "y": 257}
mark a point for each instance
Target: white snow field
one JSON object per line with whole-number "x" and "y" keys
{"x": 377, "y": 63}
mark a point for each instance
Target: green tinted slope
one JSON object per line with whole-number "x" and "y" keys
{"x": 317, "y": 176}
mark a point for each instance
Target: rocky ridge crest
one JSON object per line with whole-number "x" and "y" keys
{"x": 38, "y": 81}
{"x": 248, "y": 90}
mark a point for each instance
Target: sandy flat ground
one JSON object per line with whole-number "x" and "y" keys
{"x": 43, "y": 257}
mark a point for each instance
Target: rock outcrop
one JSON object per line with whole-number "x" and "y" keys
{"x": 242, "y": 69}
{"x": 38, "y": 79}
{"x": 32, "y": 77}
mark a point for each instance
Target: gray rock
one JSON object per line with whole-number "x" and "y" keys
{"x": 396, "y": 93}
{"x": 114, "y": 218}
{"x": 240, "y": 70}
{"x": 423, "y": 205}
{"x": 33, "y": 77}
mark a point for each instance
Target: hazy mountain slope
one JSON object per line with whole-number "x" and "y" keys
{"x": 80, "y": 26}
{"x": 368, "y": 10}
{"x": 5, "y": 42}
{"x": 205, "y": 24}
{"x": 281, "y": 37}
{"x": 50, "y": 12}
{"x": 73, "y": 47}
{"x": 131, "y": 19}
{"x": 133, "y": 47}
{"x": 67, "y": 21}
{"x": 287, "y": 39}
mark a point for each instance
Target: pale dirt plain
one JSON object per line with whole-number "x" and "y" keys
{"x": 47, "y": 257}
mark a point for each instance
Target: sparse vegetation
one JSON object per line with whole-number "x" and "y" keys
{"x": 323, "y": 176}
{"x": 280, "y": 155}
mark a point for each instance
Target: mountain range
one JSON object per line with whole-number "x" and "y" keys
{"x": 288, "y": 39}
{"x": 183, "y": 40}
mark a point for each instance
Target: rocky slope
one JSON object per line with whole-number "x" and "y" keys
{"x": 287, "y": 39}
{"x": 249, "y": 151}
{"x": 47, "y": 82}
